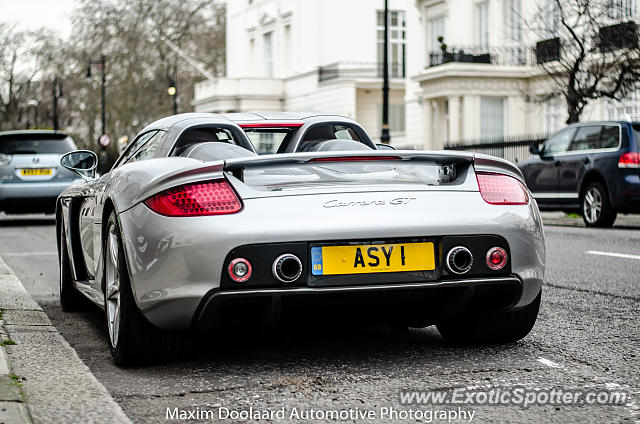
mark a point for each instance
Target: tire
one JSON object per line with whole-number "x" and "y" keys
{"x": 596, "y": 208}
{"x": 495, "y": 328}
{"x": 70, "y": 299}
{"x": 132, "y": 339}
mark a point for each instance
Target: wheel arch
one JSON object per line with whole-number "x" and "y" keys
{"x": 591, "y": 177}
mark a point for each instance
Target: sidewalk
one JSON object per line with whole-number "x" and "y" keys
{"x": 42, "y": 379}
{"x": 561, "y": 218}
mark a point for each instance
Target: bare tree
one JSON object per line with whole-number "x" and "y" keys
{"x": 590, "y": 51}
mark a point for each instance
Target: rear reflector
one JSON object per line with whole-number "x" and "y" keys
{"x": 354, "y": 158}
{"x": 205, "y": 198}
{"x": 496, "y": 258}
{"x": 240, "y": 270}
{"x": 629, "y": 160}
{"x": 498, "y": 189}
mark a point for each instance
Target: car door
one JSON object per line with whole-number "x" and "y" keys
{"x": 92, "y": 206}
{"x": 572, "y": 164}
{"x": 542, "y": 173}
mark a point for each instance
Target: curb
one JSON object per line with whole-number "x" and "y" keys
{"x": 41, "y": 375}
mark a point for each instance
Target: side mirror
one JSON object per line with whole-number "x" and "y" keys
{"x": 534, "y": 148}
{"x": 82, "y": 162}
{"x": 382, "y": 146}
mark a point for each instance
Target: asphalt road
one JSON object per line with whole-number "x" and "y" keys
{"x": 586, "y": 338}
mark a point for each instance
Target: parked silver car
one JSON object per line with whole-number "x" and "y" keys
{"x": 191, "y": 230}
{"x": 31, "y": 177}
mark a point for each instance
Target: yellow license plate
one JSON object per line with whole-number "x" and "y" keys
{"x": 364, "y": 259}
{"x": 35, "y": 171}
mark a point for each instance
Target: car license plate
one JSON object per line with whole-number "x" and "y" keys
{"x": 35, "y": 171}
{"x": 364, "y": 259}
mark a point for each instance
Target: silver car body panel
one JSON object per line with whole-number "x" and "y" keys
{"x": 175, "y": 262}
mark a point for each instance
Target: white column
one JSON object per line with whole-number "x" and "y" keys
{"x": 454, "y": 118}
{"x": 427, "y": 115}
{"x": 470, "y": 115}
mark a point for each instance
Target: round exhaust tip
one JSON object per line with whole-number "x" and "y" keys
{"x": 287, "y": 268}
{"x": 459, "y": 260}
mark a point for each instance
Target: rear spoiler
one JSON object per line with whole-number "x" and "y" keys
{"x": 484, "y": 163}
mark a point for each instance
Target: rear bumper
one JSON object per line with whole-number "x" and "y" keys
{"x": 412, "y": 303}
{"x": 175, "y": 263}
{"x": 627, "y": 196}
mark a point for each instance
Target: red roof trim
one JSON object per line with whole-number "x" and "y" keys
{"x": 272, "y": 125}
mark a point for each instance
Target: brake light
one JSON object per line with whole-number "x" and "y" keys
{"x": 629, "y": 160}
{"x": 354, "y": 158}
{"x": 498, "y": 189}
{"x": 214, "y": 197}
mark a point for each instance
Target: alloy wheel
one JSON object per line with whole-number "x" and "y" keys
{"x": 592, "y": 204}
{"x": 112, "y": 295}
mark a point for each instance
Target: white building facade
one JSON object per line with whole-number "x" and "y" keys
{"x": 325, "y": 56}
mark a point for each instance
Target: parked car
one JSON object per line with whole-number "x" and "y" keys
{"x": 31, "y": 177}
{"x": 592, "y": 168}
{"x": 290, "y": 132}
{"x": 192, "y": 230}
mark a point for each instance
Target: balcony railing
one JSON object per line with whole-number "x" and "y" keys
{"x": 358, "y": 70}
{"x": 511, "y": 56}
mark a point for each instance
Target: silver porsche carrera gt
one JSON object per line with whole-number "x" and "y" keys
{"x": 192, "y": 230}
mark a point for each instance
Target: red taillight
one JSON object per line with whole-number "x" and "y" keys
{"x": 205, "y": 198}
{"x": 496, "y": 258}
{"x": 629, "y": 160}
{"x": 354, "y": 158}
{"x": 498, "y": 189}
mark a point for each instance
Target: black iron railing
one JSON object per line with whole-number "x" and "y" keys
{"x": 514, "y": 56}
{"x": 513, "y": 148}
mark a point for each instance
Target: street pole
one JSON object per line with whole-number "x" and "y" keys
{"x": 103, "y": 95}
{"x": 175, "y": 91}
{"x": 103, "y": 115}
{"x": 55, "y": 103}
{"x": 385, "y": 137}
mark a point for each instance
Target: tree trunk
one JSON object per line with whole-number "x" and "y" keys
{"x": 574, "y": 111}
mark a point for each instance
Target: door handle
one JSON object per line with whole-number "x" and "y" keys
{"x": 557, "y": 163}
{"x": 586, "y": 160}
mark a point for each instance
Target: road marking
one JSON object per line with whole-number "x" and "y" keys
{"x": 548, "y": 362}
{"x": 29, "y": 253}
{"x": 617, "y": 255}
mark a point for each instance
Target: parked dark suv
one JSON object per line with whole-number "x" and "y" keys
{"x": 591, "y": 167}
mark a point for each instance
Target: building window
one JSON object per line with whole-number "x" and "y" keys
{"x": 552, "y": 115}
{"x": 514, "y": 21}
{"x": 491, "y": 117}
{"x": 268, "y": 54}
{"x": 622, "y": 9}
{"x": 482, "y": 24}
{"x": 397, "y": 42}
{"x": 628, "y": 109}
{"x": 436, "y": 30}
{"x": 552, "y": 20}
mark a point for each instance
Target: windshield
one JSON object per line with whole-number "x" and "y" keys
{"x": 35, "y": 144}
{"x": 275, "y": 178}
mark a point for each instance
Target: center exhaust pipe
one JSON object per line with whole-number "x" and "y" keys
{"x": 287, "y": 268}
{"x": 459, "y": 260}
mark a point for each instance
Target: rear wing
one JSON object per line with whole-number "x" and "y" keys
{"x": 449, "y": 160}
